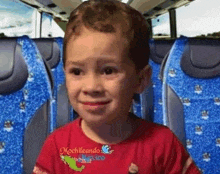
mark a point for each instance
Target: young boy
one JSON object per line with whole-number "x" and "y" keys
{"x": 106, "y": 56}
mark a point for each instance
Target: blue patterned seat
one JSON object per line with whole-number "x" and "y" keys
{"x": 25, "y": 94}
{"x": 191, "y": 99}
{"x": 51, "y": 50}
{"x": 158, "y": 50}
{"x": 142, "y": 105}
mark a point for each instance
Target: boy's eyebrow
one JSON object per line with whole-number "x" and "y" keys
{"x": 74, "y": 63}
{"x": 99, "y": 61}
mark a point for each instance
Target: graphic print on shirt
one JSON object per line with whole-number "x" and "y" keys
{"x": 84, "y": 156}
{"x": 106, "y": 149}
{"x": 72, "y": 163}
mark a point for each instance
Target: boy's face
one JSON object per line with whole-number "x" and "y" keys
{"x": 98, "y": 70}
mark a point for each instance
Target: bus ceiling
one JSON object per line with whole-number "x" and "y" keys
{"x": 61, "y": 9}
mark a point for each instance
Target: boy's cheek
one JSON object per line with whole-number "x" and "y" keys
{"x": 129, "y": 84}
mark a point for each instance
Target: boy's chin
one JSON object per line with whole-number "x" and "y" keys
{"x": 97, "y": 120}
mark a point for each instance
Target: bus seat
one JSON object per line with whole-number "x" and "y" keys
{"x": 158, "y": 50}
{"x": 51, "y": 50}
{"x": 191, "y": 99}
{"x": 25, "y": 94}
{"x": 62, "y": 93}
{"x": 148, "y": 105}
{"x": 142, "y": 105}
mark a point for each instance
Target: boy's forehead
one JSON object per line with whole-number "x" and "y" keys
{"x": 85, "y": 32}
{"x": 104, "y": 47}
{"x": 100, "y": 60}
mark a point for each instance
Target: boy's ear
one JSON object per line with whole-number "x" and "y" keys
{"x": 144, "y": 79}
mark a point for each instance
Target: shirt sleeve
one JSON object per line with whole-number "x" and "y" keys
{"x": 179, "y": 160}
{"x": 46, "y": 158}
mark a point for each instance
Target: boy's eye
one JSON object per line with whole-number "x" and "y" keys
{"x": 75, "y": 71}
{"x": 109, "y": 70}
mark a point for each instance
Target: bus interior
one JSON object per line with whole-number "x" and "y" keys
{"x": 185, "y": 85}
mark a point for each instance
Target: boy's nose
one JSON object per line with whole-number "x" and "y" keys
{"x": 92, "y": 85}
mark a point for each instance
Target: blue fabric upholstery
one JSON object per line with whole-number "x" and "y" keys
{"x": 137, "y": 105}
{"x": 157, "y": 93}
{"x": 61, "y": 79}
{"x": 201, "y": 108}
{"x": 143, "y": 104}
{"x": 18, "y": 108}
{"x": 51, "y": 50}
{"x": 158, "y": 50}
{"x": 58, "y": 76}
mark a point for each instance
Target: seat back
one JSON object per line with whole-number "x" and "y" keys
{"x": 143, "y": 104}
{"x": 158, "y": 50}
{"x": 51, "y": 50}
{"x": 25, "y": 94}
{"x": 191, "y": 99}
{"x": 64, "y": 106}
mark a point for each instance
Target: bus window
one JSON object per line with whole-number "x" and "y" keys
{"x": 18, "y": 19}
{"x": 199, "y": 19}
{"x": 50, "y": 27}
{"x": 161, "y": 26}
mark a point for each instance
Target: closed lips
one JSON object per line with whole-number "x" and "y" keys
{"x": 95, "y": 103}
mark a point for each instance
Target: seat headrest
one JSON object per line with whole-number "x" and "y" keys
{"x": 49, "y": 50}
{"x": 201, "y": 58}
{"x": 13, "y": 68}
{"x": 159, "y": 48}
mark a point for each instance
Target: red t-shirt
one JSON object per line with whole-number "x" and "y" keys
{"x": 153, "y": 148}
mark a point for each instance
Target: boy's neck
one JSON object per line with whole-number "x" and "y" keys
{"x": 111, "y": 133}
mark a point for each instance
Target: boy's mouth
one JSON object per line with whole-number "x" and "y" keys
{"x": 95, "y": 106}
{"x": 95, "y": 103}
